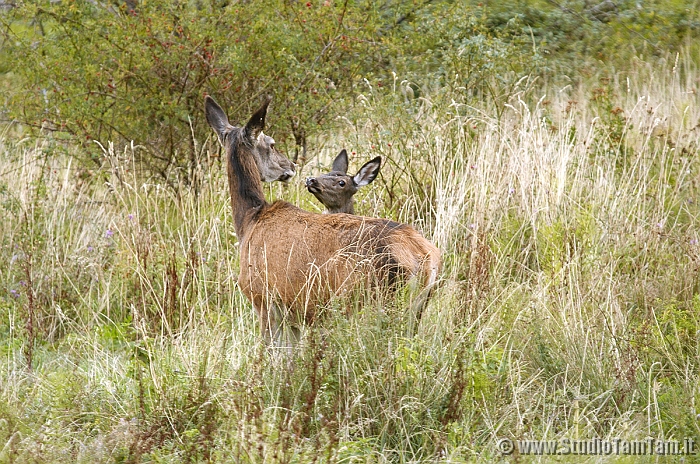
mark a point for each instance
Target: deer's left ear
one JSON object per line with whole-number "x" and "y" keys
{"x": 368, "y": 172}
{"x": 257, "y": 122}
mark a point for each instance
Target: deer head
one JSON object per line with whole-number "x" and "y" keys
{"x": 272, "y": 164}
{"x": 336, "y": 188}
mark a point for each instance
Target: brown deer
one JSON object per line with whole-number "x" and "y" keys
{"x": 291, "y": 260}
{"x": 336, "y": 189}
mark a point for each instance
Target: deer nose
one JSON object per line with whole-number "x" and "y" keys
{"x": 310, "y": 181}
{"x": 286, "y": 176}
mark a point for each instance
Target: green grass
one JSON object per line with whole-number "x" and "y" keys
{"x": 569, "y": 306}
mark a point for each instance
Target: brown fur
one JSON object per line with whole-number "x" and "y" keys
{"x": 292, "y": 261}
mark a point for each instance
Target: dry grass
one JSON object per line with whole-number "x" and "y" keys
{"x": 569, "y": 305}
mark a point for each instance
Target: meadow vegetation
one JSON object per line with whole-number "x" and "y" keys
{"x": 562, "y": 190}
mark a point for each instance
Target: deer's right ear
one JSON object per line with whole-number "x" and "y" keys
{"x": 216, "y": 117}
{"x": 368, "y": 172}
{"x": 340, "y": 163}
{"x": 257, "y": 122}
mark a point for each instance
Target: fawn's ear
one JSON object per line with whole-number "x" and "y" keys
{"x": 368, "y": 172}
{"x": 216, "y": 117}
{"x": 340, "y": 163}
{"x": 257, "y": 122}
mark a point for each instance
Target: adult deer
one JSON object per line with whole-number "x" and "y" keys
{"x": 271, "y": 164}
{"x": 291, "y": 260}
{"x": 336, "y": 189}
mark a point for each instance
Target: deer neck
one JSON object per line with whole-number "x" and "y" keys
{"x": 247, "y": 197}
{"x": 348, "y": 208}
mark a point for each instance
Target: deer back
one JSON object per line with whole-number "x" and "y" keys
{"x": 304, "y": 258}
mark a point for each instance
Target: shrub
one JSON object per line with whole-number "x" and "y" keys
{"x": 91, "y": 71}
{"x": 88, "y": 71}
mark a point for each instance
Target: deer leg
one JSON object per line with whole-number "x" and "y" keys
{"x": 268, "y": 329}
{"x": 419, "y": 296}
{"x": 289, "y": 330}
{"x": 294, "y": 334}
{"x": 268, "y": 319}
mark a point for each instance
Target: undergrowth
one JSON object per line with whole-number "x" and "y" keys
{"x": 568, "y": 306}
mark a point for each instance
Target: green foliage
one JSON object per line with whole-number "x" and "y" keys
{"x": 107, "y": 72}
{"x": 575, "y": 35}
{"x": 92, "y": 71}
{"x": 98, "y": 72}
{"x": 568, "y": 305}
{"x": 452, "y": 49}
{"x": 612, "y": 126}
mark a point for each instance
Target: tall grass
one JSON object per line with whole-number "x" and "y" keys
{"x": 568, "y": 306}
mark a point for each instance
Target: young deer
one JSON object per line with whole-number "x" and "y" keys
{"x": 291, "y": 260}
{"x": 336, "y": 189}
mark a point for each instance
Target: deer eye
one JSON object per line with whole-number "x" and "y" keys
{"x": 341, "y": 183}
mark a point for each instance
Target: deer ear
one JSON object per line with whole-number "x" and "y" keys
{"x": 340, "y": 163}
{"x": 216, "y": 117}
{"x": 368, "y": 172}
{"x": 257, "y": 121}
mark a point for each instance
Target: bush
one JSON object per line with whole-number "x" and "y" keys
{"x": 138, "y": 71}
{"x": 97, "y": 72}
{"x": 576, "y": 34}
{"x": 89, "y": 71}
